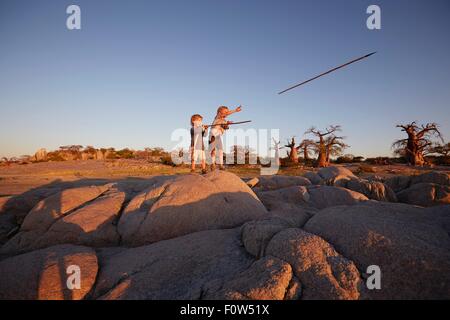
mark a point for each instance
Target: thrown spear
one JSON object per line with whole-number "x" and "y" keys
{"x": 327, "y": 72}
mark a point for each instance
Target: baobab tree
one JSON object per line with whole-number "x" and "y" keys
{"x": 419, "y": 141}
{"x": 322, "y": 135}
{"x": 334, "y": 146}
{"x": 293, "y": 150}
{"x": 307, "y": 146}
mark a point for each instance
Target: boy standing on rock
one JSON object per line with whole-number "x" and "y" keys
{"x": 198, "y": 131}
{"x": 218, "y": 128}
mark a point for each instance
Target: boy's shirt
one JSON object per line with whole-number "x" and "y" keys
{"x": 218, "y": 126}
{"x": 197, "y": 134}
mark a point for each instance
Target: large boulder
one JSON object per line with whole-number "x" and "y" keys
{"x": 440, "y": 215}
{"x": 374, "y": 190}
{"x": 7, "y": 227}
{"x": 188, "y": 204}
{"x": 266, "y": 279}
{"x": 436, "y": 177}
{"x": 288, "y": 204}
{"x": 411, "y": 249}
{"x": 327, "y": 196}
{"x": 399, "y": 183}
{"x": 266, "y": 183}
{"x": 35, "y": 231}
{"x": 425, "y": 194}
{"x": 91, "y": 225}
{"x": 335, "y": 173}
{"x": 44, "y": 274}
{"x": 20, "y": 205}
{"x": 342, "y": 177}
{"x": 7, "y": 220}
{"x": 313, "y": 177}
{"x": 322, "y": 272}
{"x": 318, "y": 197}
{"x": 177, "y": 268}
{"x": 257, "y": 234}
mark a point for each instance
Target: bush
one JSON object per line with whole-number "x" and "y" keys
{"x": 125, "y": 154}
{"x": 167, "y": 160}
{"x": 344, "y": 159}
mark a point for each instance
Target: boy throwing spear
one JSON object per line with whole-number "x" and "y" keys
{"x": 218, "y": 128}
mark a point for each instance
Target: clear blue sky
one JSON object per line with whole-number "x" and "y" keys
{"x": 138, "y": 69}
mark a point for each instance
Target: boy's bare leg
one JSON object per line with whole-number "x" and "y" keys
{"x": 221, "y": 166}
{"x": 213, "y": 159}
{"x": 203, "y": 166}
{"x": 192, "y": 161}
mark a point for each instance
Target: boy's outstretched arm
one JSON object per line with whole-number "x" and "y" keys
{"x": 238, "y": 109}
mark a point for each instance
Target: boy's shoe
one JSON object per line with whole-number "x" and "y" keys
{"x": 192, "y": 170}
{"x": 213, "y": 167}
{"x": 204, "y": 171}
{"x": 222, "y": 167}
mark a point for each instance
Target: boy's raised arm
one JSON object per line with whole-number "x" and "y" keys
{"x": 238, "y": 109}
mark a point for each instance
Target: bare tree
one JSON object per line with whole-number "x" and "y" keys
{"x": 307, "y": 146}
{"x": 322, "y": 142}
{"x": 418, "y": 142}
{"x": 334, "y": 146}
{"x": 293, "y": 150}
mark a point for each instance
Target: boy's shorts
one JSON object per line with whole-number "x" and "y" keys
{"x": 198, "y": 155}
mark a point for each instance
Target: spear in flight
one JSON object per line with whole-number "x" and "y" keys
{"x": 329, "y": 71}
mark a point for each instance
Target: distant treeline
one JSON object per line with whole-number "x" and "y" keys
{"x": 79, "y": 152}
{"x": 241, "y": 155}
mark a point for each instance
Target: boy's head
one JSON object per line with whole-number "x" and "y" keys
{"x": 222, "y": 111}
{"x": 196, "y": 118}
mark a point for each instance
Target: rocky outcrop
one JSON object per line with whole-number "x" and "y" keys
{"x": 44, "y": 274}
{"x": 399, "y": 183}
{"x": 177, "y": 268}
{"x": 341, "y": 177}
{"x": 212, "y": 237}
{"x": 266, "y": 279}
{"x": 335, "y": 174}
{"x": 428, "y": 189}
{"x": 425, "y": 194}
{"x": 323, "y": 273}
{"x": 266, "y": 183}
{"x": 326, "y": 196}
{"x": 412, "y": 250}
{"x": 189, "y": 204}
{"x": 435, "y": 177}
{"x": 257, "y": 234}
{"x": 314, "y": 178}
{"x": 52, "y": 217}
{"x": 317, "y": 197}
{"x": 7, "y": 220}
{"x": 374, "y": 190}
{"x": 40, "y": 155}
